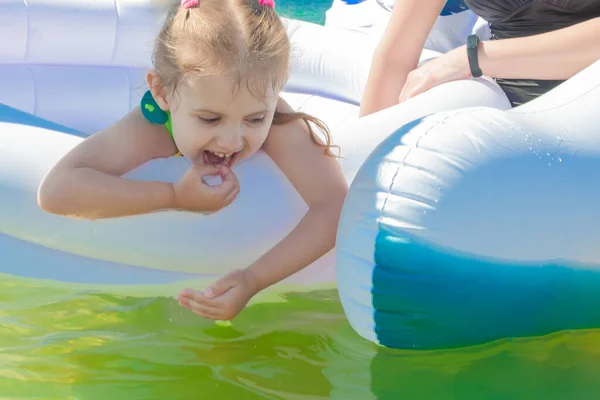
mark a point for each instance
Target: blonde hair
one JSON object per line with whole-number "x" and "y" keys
{"x": 240, "y": 38}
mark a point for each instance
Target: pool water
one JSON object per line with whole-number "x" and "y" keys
{"x": 60, "y": 343}
{"x": 65, "y": 344}
{"x": 307, "y": 10}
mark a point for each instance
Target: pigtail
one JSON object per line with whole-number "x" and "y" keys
{"x": 188, "y": 5}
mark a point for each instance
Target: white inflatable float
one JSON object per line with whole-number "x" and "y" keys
{"x": 69, "y": 68}
{"x": 370, "y": 17}
{"x": 478, "y": 224}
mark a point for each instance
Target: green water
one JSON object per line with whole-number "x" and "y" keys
{"x": 311, "y": 10}
{"x": 61, "y": 343}
{"x": 64, "y": 344}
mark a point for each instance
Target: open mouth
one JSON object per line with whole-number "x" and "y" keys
{"x": 219, "y": 159}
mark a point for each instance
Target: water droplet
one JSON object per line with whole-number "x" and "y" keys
{"x": 548, "y": 154}
{"x": 424, "y": 212}
{"x": 559, "y": 159}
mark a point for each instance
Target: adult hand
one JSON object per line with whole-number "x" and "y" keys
{"x": 451, "y": 66}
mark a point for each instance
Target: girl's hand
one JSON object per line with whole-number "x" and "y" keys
{"x": 192, "y": 193}
{"x": 452, "y": 66}
{"x": 224, "y": 299}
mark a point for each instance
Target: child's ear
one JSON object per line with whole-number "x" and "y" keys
{"x": 158, "y": 91}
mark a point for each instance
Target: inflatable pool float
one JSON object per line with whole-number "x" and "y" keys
{"x": 70, "y": 68}
{"x": 478, "y": 224}
{"x": 370, "y": 17}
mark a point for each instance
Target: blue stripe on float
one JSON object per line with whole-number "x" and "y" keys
{"x": 29, "y": 260}
{"x": 14, "y": 116}
{"x": 427, "y": 297}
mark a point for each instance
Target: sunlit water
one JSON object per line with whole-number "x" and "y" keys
{"x": 66, "y": 344}
{"x": 60, "y": 343}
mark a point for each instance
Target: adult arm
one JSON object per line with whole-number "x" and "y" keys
{"x": 559, "y": 54}
{"x": 398, "y": 52}
{"x": 555, "y": 55}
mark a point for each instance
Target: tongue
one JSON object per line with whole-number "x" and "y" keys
{"x": 213, "y": 158}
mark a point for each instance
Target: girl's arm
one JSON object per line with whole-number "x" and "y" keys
{"x": 559, "y": 54}
{"x": 319, "y": 180}
{"x": 86, "y": 182}
{"x": 398, "y": 52}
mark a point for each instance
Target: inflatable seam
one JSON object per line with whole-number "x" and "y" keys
{"x": 453, "y": 160}
{"x": 117, "y": 25}
{"x": 424, "y": 171}
{"x": 27, "y": 31}
{"x": 403, "y": 163}
{"x": 419, "y": 199}
{"x": 391, "y": 185}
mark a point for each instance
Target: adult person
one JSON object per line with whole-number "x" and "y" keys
{"x": 534, "y": 46}
{"x": 370, "y": 17}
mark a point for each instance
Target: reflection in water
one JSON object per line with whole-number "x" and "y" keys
{"x": 69, "y": 345}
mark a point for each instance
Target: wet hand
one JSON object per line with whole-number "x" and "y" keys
{"x": 192, "y": 193}
{"x": 224, "y": 299}
{"x": 452, "y": 66}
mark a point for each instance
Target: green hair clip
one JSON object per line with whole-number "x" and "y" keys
{"x": 153, "y": 113}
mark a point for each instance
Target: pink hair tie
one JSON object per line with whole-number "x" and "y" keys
{"x": 268, "y": 3}
{"x": 190, "y": 3}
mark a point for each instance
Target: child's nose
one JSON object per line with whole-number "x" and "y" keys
{"x": 231, "y": 141}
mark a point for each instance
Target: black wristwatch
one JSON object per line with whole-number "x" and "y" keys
{"x": 472, "y": 45}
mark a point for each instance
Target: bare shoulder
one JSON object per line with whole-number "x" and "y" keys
{"x": 316, "y": 175}
{"x": 282, "y": 137}
{"x": 123, "y": 146}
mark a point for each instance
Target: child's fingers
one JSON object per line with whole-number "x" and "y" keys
{"x": 230, "y": 198}
{"x": 207, "y": 169}
{"x": 228, "y": 176}
{"x": 204, "y": 311}
{"x": 229, "y": 187}
{"x": 197, "y": 297}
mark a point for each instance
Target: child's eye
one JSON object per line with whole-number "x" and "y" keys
{"x": 209, "y": 120}
{"x": 257, "y": 120}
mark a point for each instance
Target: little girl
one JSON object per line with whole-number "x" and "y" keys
{"x": 219, "y": 66}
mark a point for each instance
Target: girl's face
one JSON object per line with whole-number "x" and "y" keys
{"x": 215, "y": 122}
